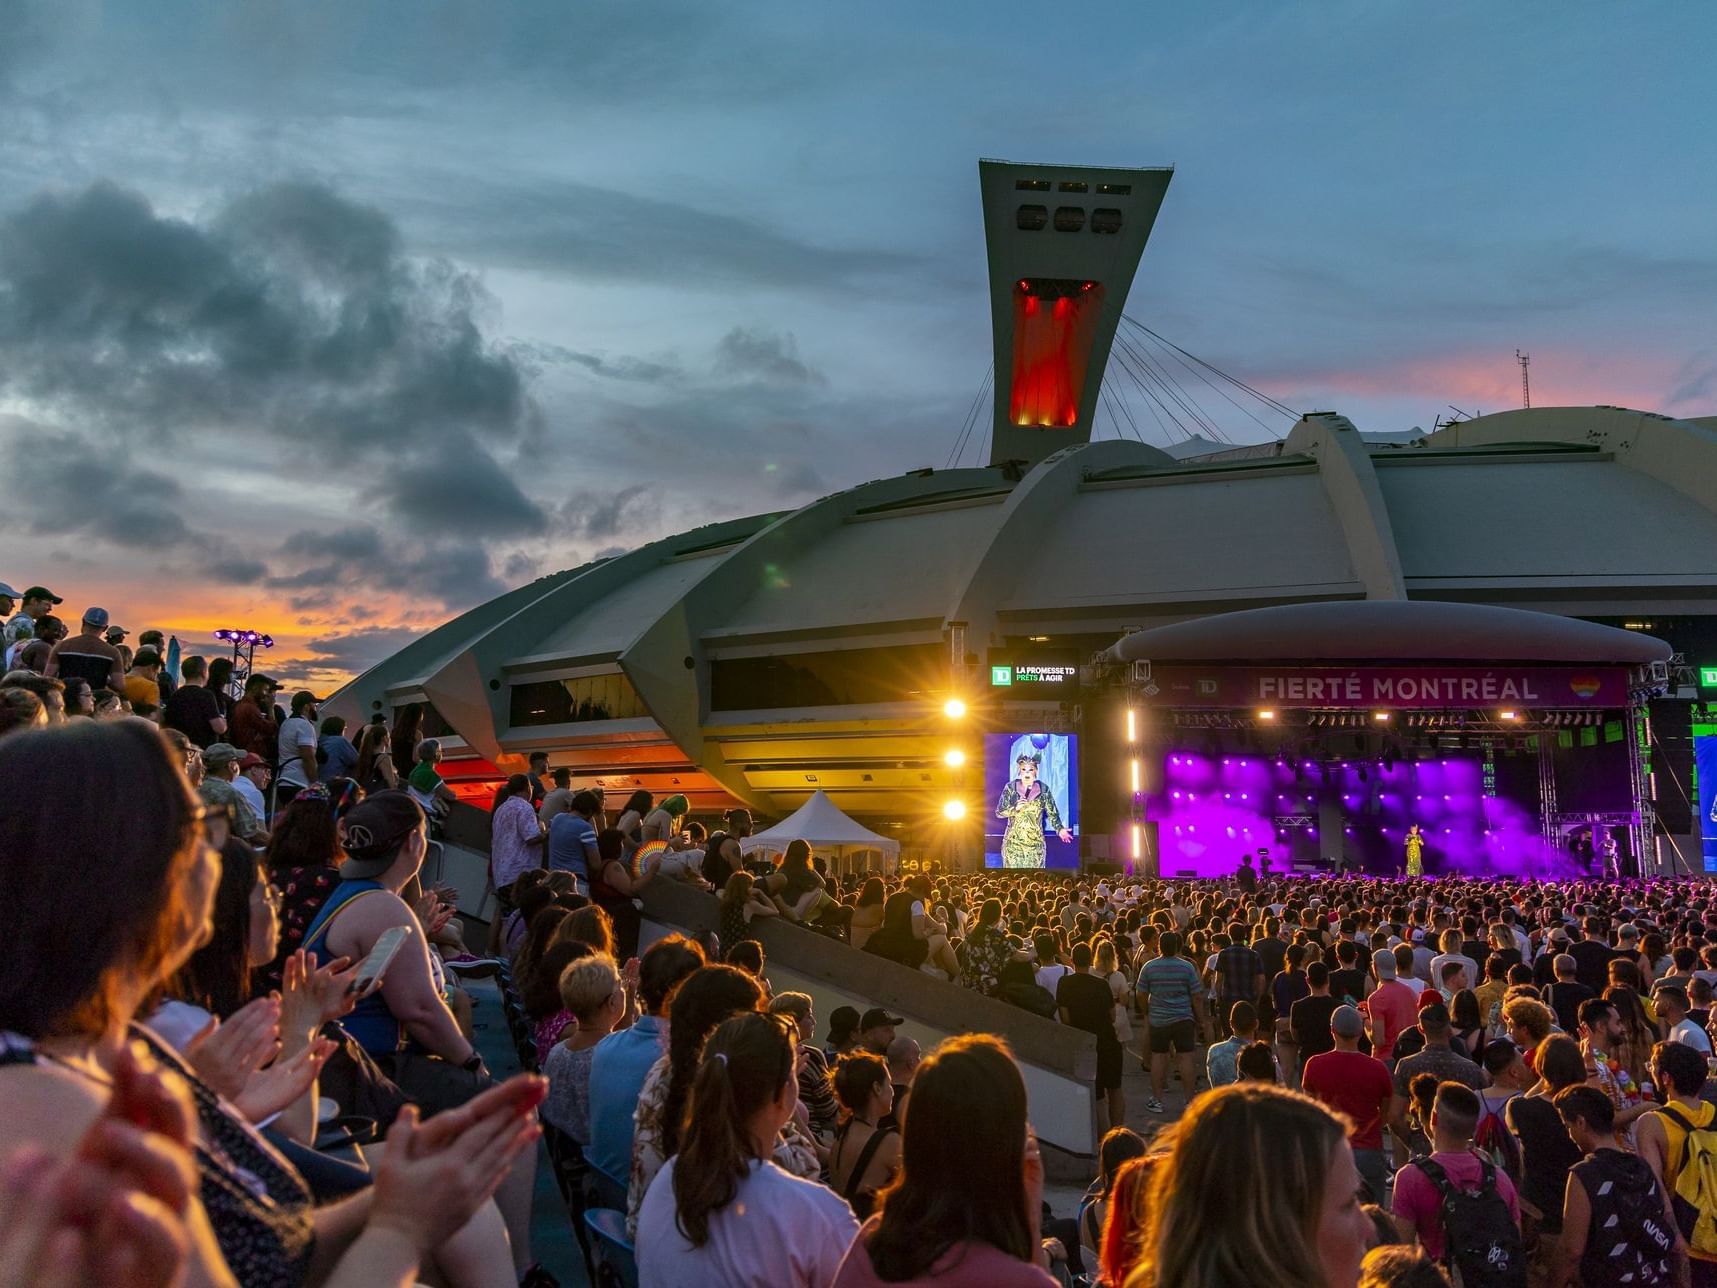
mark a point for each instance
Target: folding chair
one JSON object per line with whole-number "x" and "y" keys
{"x": 616, "y": 1264}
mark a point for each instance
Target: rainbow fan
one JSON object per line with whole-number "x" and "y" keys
{"x": 642, "y": 855}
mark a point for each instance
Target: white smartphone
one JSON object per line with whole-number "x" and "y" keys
{"x": 370, "y": 972}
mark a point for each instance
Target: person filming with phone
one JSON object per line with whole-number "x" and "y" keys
{"x": 406, "y": 1024}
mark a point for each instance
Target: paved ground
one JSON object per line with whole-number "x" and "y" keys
{"x": 551, "y": 1229}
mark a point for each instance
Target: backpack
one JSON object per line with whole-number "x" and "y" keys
{"x": 1032, "y": 997}
{"x": 1494, "y": 1140}
{"x": 1482, "y": 1247}
{"x": 1695, "y": 1194}
{"x": 1634, "y": 1239}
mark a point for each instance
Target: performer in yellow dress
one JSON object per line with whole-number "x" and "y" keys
{"x": 1415, "y": 851}
{"x": 1029, "y": 808}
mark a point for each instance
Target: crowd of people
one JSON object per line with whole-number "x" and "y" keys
{"x": 239, "y": 1050}
{"x": 1515, "y": 1071}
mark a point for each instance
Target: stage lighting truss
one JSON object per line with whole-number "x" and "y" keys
{"x": 1210, "y": 720}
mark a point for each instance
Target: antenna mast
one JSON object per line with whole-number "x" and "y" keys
{"x": 1525, "y": 361}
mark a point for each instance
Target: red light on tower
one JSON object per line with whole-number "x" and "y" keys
{"x": 1052, "y": 349}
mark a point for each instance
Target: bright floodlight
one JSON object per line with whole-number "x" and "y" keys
{"x": 953, "y": 708}
{"x": 953, "y": 758}
{"x": 1381, "y": 717}
{"x": 1511, "y": 715}
{"x": 954, "y": 810}
{"x": 1266, "y": 715}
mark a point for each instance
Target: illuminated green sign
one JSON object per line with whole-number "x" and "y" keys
{"x": 1001, "y": 675}
{"x": 1708, "y": 677}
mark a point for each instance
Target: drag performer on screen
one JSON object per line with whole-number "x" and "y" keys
{"x": 1029, "y": 808}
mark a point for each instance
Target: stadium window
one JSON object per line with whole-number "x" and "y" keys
{"x": 1106, "y": 219}
{"x": 1115, "y": 189}
{"x": 588, "y": 698}
{"x": 1031, "y": 218}
{"x": 1074, "y": 186}
{"x": 434, "y": 723}
{"x": 1032, "y": 185}
{"x": 840, "y": 677}
{"x": 1069, "y": 219}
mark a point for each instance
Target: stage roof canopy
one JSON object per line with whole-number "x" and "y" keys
{"x": 1390, "y": 631}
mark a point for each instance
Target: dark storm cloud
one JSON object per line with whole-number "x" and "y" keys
{"x": 601, "y": 233}
{"x": 461, "y": 488}
{"x": 293, "y": 310}
{"x": 356, "y": 650}
{"x": 236, "y": 571}
{"x": 537, "y": 354}
{"x": 518, "y": 568}
{"x": 341, "y": 565}
{"x": 602, "y": 517}
{"x": 747, "y": 354}
{"x": 355, "y": 542}
{"x": 61, "y": 482}
{"x": 291, "y": 320}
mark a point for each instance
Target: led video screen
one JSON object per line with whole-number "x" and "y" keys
{"x": 1031, "y": 787}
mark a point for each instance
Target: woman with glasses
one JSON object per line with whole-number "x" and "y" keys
{"x": 118, "y": 901}
{"x": 80, "y": 698}
{"x": 207, "y": 1013}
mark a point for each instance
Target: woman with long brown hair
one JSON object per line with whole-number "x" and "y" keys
{"x": 407, "y": 733}
{"x": 710, "y": 995}
{"x": 866, "y": 1150}
{"x": 119, "y": 900}
{"x": 1260, "y": 1188}
{"x": 376, "y": 771}
{"x": 581, "y": 933}
{"x": 966, "y": 1204}
{"x": 719, "y": 1211}
{"x": 303, "y": 860}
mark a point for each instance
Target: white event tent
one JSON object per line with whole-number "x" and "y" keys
{"x": 828, "y": 831}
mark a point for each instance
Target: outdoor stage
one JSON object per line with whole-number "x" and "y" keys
{"x": 1319, "y": 734}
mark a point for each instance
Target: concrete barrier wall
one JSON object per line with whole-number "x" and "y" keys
{"x": 1059, "y": 1063}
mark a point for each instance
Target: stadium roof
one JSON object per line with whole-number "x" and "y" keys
{"x": 1582, "y": 511}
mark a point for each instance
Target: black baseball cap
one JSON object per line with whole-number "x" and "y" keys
{"x": 375, "y": 828}
{"x": 843, "y": 1022}
{"x": 876, "y": 1017}
{"x": 42, "y": 592}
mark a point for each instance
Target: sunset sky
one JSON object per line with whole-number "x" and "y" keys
{"x": 332, "y": 319}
